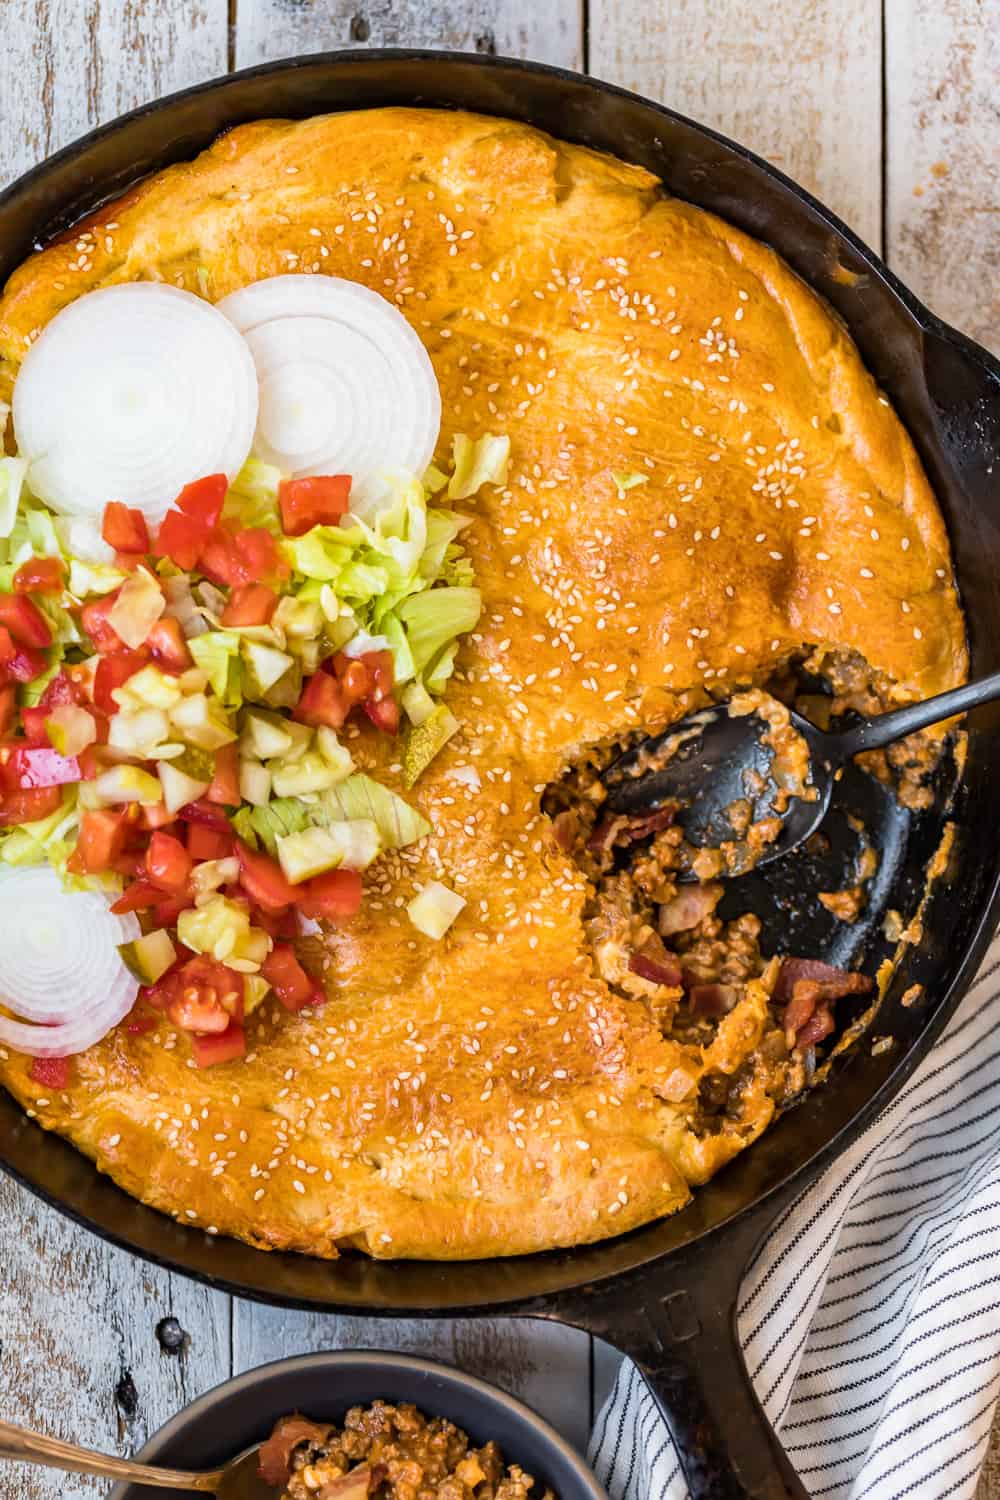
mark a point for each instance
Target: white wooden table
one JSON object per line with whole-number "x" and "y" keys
{"x": 886, "y": 109}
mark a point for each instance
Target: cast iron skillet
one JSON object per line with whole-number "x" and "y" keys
{"x": 665, "y": 1293}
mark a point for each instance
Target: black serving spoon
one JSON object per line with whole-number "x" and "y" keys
{"x": 713, "y": 759}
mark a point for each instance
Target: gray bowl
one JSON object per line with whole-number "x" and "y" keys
{"x": 243, "y": 1411}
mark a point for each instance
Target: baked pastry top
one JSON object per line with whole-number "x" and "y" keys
{"x": 491, "y": 1094}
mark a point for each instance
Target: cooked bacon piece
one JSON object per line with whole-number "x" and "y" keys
{"x": 618, "y": 829}
{"x": 691, "y": 905}
{"x": 794, "y": 969}
{"x": 354, "y": 1485}
{"x": 275, "y": 1456}
{"x": 807, "y": 989}
{"x": 710, "y": 1002}
{"x": 653, "y": 962}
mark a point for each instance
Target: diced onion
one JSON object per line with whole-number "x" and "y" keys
{"x": 131, "y": 392}
{"x": 346, "y": 386}
{"x": 61, "y": 974}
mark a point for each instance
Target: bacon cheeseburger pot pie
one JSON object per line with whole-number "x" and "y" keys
{"x": 372, "y": 481}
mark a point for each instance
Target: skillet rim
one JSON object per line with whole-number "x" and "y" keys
{"x": 550, "y": 1273}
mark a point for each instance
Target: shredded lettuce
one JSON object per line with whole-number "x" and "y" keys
{"x": 217, "y": 653}
{"x": 12, "y": 472}
{"x": 252, "y": 498}
{"x": 627, "y": 480}
{"x": 477, "y": 463}
{"x": 433, "y": 619}
{"x": 357, "y": 798}
{"x": 50, "y": 839}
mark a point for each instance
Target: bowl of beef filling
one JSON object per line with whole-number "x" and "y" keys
{"x": 366, "y": 1425}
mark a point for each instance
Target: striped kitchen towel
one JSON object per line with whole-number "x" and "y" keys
{"x": 870, "y": 1321}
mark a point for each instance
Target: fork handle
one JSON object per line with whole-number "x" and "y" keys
{"x": 34, "y": 1448}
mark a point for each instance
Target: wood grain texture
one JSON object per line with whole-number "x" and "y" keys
{"x": 943, "y": 153}
{"x": 545, "y": 30}
{"x": 800, "y": 84}
{"x": 68, "y": 65}
{"x": 80, "y": 1356}
{"x": 543, "y": 1364}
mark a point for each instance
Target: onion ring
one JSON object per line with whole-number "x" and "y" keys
{"x": 346, "y": 386}
{"x": 130, "y": 393}
{"x": 61, "y": 974}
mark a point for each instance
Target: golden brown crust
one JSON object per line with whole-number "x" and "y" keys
{"x": 489, "y": 1094}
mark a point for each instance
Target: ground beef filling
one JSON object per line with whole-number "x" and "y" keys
{"x": 659, "y": 940}
{"x": 388, "y": 1453}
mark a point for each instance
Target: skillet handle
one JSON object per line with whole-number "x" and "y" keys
{"x": 676, "y": 1318}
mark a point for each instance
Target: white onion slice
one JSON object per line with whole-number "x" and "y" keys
{"x": 130, "y": 393}
{"x": 59, "y": 964}
{"x": 346, "y": 386}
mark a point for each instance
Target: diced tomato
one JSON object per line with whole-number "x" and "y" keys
{"x": 131, "y": 863}
{"x": 101, "y": 839}
{"x": 322, "y": 702}
{"x": 207, "y": 843}
{"x": 29, "y": 806}
{"x": 7, "y": 648}
{"x": 168, "y": 864}
{"x": 354, "y": 676}
{"x": 39, "y": 767}
{"x": 168, "y": 646}
{"x": 207, "y": 996}
{"x": 94, "y": 619}
{"x": 140, "y": 1025}
{"x": 281, "y": 925}
{"x": 250, "y": 604}
{"x": 155, "y": 815}
{"x": 202, "y": 500}
{"x": 61, "y": 689}
{"x": 91, "y": 762}
{"x": 181, "y": 539}
{"x": 24, "y": 620}
{"x": 50, "y": 1072}
{"x": 384, "y": 713}
{"x": 380, "y": 665}
{"x": 320, "y": 500}
{"x": 225, "y": 787}
{"x": 287, "y": 977}
{"x": 111, "y": 672}
{"x": 124, "y": 528}
{"x": 263, "y": 879}
{"x": 8, "y": 708}
{"x": 139, "y": 896}
{"x": 27, "y": 663}
{"x": 209, "y": 1050}
{"x": 259, "y": 555}
{"x": 34, "y": 720}
{"x": 331, "y": 897}
{"x": 167, "y": 910}
{"x": 40, "y": 575}
{"x": 204, "y": 813}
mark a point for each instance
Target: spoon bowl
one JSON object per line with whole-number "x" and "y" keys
{"x": 719, "y": 762}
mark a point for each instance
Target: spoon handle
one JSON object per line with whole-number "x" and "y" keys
{"x": 35, "y": 1448}
{"x": 872, "y": 734}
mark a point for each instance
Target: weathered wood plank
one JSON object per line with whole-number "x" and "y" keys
{"x": 85, "y": 1352}
{"x": 800, "y": 84}
{"x": 78, "y": 1320}
{"x": 66, "y": 65}
{"x": 543, "y": 1364}
{"x": 550, "y": 31}
{"x": 943, "y": 157}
